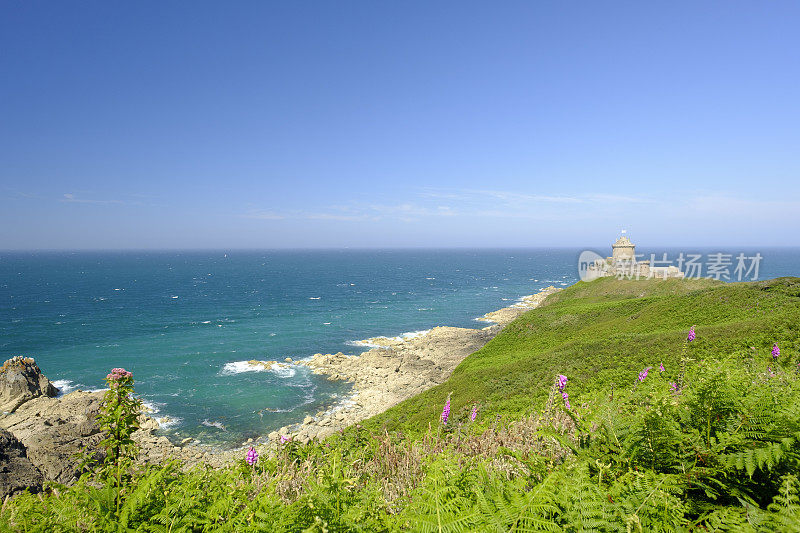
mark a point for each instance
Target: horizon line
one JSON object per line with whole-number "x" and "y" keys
{"x": 389, "y": 248}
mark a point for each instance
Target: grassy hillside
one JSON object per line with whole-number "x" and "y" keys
{"x": 605, "y": 332}
{"x": 712, "y": 443}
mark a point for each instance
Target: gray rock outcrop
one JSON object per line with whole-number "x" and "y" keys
{"x": 17, "y": 473}
{"x": 52, "y": 433}
{"x": 20, "y": 381}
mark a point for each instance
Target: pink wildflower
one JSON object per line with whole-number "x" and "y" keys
{"x": 446, "y": 411}
{"x": 775, "y": 351}
{"x": 691, "y": 336}
{"x": 284, "y": 438}
{"x": 117, "y": 375}
{"x": 252, "y": 456}
{"x": 474, "y": 413}
{"x": 661, "y": 368}
{"x": 561, "y": 383}
{"x": 643, "y": 373}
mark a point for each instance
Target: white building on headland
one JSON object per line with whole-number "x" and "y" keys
{"x": 623, "y": 264}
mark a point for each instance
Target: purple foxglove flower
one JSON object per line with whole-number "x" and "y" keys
{"x": 446, "y": 411}
{"x": 562, "y": 382}
{"x": 661, "y": 368}
{"x": 284, "y": 438}
{"x": 252, "y": 456}
{"x": 474, "y": 413}
{"x": 643, "y": 373}
{"x": 775, "y": 351}
{"x": 673, "y": 386}
{"x": 566, "y": 400}
{"x": 691, "y": 336}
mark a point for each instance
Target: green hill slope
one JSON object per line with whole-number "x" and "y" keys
{"x": 718, "y": 451}
{"x": 605, "y": 332}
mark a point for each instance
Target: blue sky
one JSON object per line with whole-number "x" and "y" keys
{"x": 377, "y": 124}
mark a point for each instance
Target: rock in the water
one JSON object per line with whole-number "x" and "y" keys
{"x": 20, "y": 381}
{"x": 17, "y": 473}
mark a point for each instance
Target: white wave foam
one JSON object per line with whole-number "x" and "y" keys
{"x": 362, "y": 344}
{"x": 282, "y": 370}
{"x": 315, "y": 298}
{"x": 414, "y": 334}
{"x": 64, "y": 386}
{"x": 151, "y": 407}
{"x": 239, "y": 367}
{"x": 168, "y": 422}
{"x": 379, "y": 342}
{"x": 215, "y": 424}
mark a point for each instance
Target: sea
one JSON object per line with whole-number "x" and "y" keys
{"x": 186, "y": 322}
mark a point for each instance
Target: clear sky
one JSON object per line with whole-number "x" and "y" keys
{"x": 378, "y": 124}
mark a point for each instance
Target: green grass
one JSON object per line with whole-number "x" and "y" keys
{"x": 602, "y": 333}
{"x": 720, "y": 454}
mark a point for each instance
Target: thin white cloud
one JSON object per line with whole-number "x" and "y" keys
{"x": 264, "y": 215}
{"x": 71, "y": 198}
{"x": 334, "y": 216}
{"x": 428, "y": 205}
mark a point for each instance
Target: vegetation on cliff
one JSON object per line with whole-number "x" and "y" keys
{"x": 595, "y": 413}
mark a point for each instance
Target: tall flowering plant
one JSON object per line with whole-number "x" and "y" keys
{"x": 446, "y": 411}
{"x": 251, "y": 457}
{"x": 689, "y": 338}
{"x": 118, "y": 419}
{"x": 561, "y": 383}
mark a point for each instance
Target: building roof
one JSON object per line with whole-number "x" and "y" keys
{"x": 623, "y": 242}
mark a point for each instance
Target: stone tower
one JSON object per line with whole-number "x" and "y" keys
{"x": 623, "y": 250}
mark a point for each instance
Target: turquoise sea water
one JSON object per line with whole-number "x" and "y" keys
{"x": 181, "y": 321}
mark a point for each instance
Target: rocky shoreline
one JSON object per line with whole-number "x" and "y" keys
{"x": 397, "y": 368}
{"x": 41, "y": 433}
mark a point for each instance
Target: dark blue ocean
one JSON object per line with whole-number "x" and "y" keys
{"x": 184, "y": 322}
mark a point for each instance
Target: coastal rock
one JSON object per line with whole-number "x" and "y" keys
{"x": 504, "y": 316}
{"x": 396, "y": 368}
{"x": 17, "y": 473}
{"x": 20, "y": 381}
{"x": 54, "y": 430}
